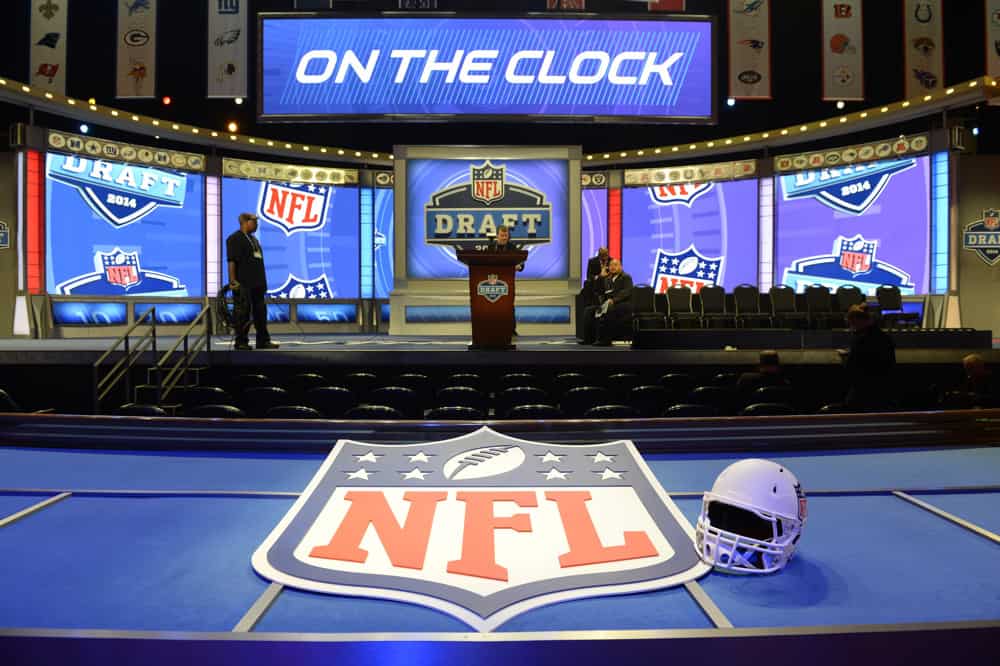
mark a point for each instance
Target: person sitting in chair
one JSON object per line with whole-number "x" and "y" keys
{"x": 616, "y": 303}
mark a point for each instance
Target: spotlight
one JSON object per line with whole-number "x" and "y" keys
{"x": 91, "y": 101}
{"x": 84, "y": 128}
{"x": 975, "y": 131}
{"x": 166, "y": 100}
{"x": 238, "y": 101}
{"x": 840, "y": 104}
{"x": 730, "y": 102}
{"x": 233, "y": 127}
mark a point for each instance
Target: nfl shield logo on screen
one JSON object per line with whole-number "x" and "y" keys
{"x": 487, "y": 182}
{"x": 483, "y": 527}
{"x": 679, "y": 193}
{"x": 294, "y": 207}
{"x": 857, "y": 255}
{"x": 688, "y": 268}
{"x": 120, "y": 268}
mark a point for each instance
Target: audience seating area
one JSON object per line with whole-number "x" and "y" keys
{"x": 646, "y": 392}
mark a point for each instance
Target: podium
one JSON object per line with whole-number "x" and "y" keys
{"x": 491, "y": 296}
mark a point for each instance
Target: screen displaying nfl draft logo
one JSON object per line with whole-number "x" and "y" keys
{"x": 117, "y": 229}
{"x": 864, "y": 225}
{"x": 461, "y": 203}
{"x": 310, "y": 235}
{"x": 483, "y": 527}
{"x": 690, "y": 234}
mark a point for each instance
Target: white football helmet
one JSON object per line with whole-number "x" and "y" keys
{"x": 752, "y": 519}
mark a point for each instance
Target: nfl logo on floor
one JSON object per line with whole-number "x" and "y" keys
{"x": 294, "y": 207}
{"x": 487, "y": 183}
{"x": 483, "y": 527}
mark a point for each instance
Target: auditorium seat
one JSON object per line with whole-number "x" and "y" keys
{"x": 677, "y": 385}
{"x": 620, "y": 383}
{"x": 534, "y": 412}
{"x": 138, "y": 409}
{"x": 713, "y": 306}
{"x": 248, "y": 381}
{"x": 373, "y": 412}
{"x": 747, "y": 301}
{"x": 465, "y": 379}
{"x": 719, "y": 397}
{"x": 293, "y": 412}
{"x": 359, "y": 382}
{"x": 725, "y": 379}
{"x": 833, "y": 408}
{"x": 417, "y": 381}
{"x": 783, "y": 308}
{"x": 688, "y": 410}
{"x": 461, "y": 396}
{"x": 768, "y": 409}
{"x": 775, "y": 394}
{"x": 404, "y": 399}
{"x": 564, "y": 381}
{"x": 578, "y": 400}
{"x": 453, "y": 412}
{"x": 215, "y": 412}
{"x": 519, "y": 395}
{"x": 257, "y": 400}
{"x": 304, "y": 381}
{"x": 516, "y": 379}
{"x": 610, "y": 412}
{"x": 330, "y": 401}
{"x": 205, "y": 395}
{"x": 7, "y": 403}
{"x": 649, "y": 399}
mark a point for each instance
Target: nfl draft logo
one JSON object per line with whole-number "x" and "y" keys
{"x": 483, "y": 527}
{"x": 492, "y": 288}
{"x": 857, "y": 255}
{"x": 851, "y": 263}
{"x": 679, "y": 193}
{"x": 487, "y": 183}
{"x": 296, "y": 287}
{"x": 850, "y": 189}
{"x": 983, "y": 237}
{"x": 294, "y": 207}
{"x": 118, "y": 193}
{"x": 688, "y": 268}
{"x": 117, "y": 273}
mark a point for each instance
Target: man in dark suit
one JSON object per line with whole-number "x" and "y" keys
{"x": 249, "y": 284}
{"x": 615, "y": 310}
{"x": 501, "y": 243}
{"x": 869, "y": 363}
{"x": 597, "y": 268}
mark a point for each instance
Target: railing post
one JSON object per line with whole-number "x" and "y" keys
{"x": 128, "y": 375}
{"x": 96, "y": 401}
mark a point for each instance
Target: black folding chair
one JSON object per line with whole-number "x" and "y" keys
{"x": 713, "y": 306}
{"x": 679, "y": 303}
{"x": 783, "y": 308}
{"x": 747, "y": 300}
{"x": 819, "y": 306}
{"x": 890, "y": 303}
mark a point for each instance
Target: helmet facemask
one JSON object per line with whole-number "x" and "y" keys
{"x": 742, "y": 539}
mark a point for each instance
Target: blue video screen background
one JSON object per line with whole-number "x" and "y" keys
{"x": 384, "y": 241}
{"x": 320, "y": 262}
{"x": 111, "y": 236}
{"x": 326, "y": 312}
{"x": 170, "y": 313}
{"x": 865, "y": 226}
{"x": 593, "y": 226}
{"x": 70, "y": 313}
{"x": 719, "y": 221}
{"x": 425, "y": 177}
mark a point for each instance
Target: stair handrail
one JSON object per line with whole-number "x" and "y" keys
{"x": 121, "y": 371}
{"x": 168, "y": 377}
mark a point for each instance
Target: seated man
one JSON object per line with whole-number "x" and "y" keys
{"x": 769, "y": 373}
{"x": 980, "y": 382}
{"x": 615, "y": 311}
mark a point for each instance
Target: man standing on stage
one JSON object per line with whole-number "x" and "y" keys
{"x": 249, "y": 284}
{"x": 501, "y": 243}
{"x": 616, "y": 303}
{"x": 597, "y": 268}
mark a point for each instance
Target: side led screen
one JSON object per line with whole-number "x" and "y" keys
{"x": 309, "y": 234}
{"x": 864, "y": 225}
{"x": 593, "y": 225}
{"x": 691, "y": 235}
{"x": 116, "y": 229}
{"x": 384, "y": 242}
{"x": 460, "y": 203}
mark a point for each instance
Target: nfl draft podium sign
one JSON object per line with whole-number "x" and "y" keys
{"x": 483, "y": 527}
{"x": 491, "y": 296}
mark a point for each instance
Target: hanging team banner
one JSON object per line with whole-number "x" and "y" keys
{"x": 136, "y": 75}
{"x": 923, "y": 46}
{"x": 993, "y": 38}
{"x": 227, "y": 48}
{"x": 48, "y": 45}
{"x": 749, "y": 49}
{"x": 843, "y": 52}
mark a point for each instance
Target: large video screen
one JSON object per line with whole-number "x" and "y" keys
{"x": 310, "y": 235}
{"x": 461, "y": 203}
{"x": 593, "y": 225}
{"x": 691, "y": 234}
{"x": 117, "y": 229}
{"x": 583, "y": 67}
{"x": 384, "y": 242}
{"x": 864, "y": 225}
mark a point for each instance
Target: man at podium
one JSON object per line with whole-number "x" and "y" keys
{"x": 501, "y": 243}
